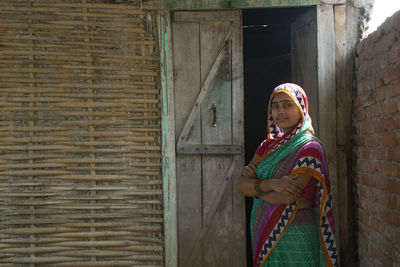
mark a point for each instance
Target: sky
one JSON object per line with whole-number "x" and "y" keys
{"x": 382, "y": 9}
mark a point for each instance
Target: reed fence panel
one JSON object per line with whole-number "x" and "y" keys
{"x": 80, "y": 148}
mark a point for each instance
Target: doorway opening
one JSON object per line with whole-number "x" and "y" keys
{"x": 267, "y": 63}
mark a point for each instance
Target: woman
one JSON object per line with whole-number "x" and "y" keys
{"x": 292, "y": 218}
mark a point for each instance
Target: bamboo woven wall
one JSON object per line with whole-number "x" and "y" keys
{"x": 80, "y": 156}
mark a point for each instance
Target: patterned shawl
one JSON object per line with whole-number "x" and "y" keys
{"x": 309, "y": 159}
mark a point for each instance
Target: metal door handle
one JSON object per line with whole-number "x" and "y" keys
{"x": 214, "y": 110}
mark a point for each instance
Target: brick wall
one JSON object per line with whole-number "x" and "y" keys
{"x": 377, "y": 145}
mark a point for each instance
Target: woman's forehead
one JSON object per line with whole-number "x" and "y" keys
{"x": 280, "y": 97}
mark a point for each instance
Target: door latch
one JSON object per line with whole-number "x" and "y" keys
{"x": 214, "y": 111}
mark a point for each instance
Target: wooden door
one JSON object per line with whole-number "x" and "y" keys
{"x": 208, "y": 95}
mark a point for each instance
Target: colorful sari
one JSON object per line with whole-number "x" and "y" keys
{"x": 284, "y": 235}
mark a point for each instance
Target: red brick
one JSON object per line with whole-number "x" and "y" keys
{"x": 364, "y": 179}
{"x": 377, "y": 225}
{"x": 362, "y": 192}
{"x": 358, "y": 164}
{"x": 389, "y": 139}
{"x": 363, "y": 217}
{"x": 367, "y": 99}
{"x": 357, "y": 179}
{"x": 387, "y": 124}
{"x": 369, "y": 180}
{"x": 370, "y": 209}
{"x": 387, "y": 260}
{"x": 376, "y": 35}
{"x": 378, "y": 167}
{"x": 390, "y": 200}
{"x": 379, "y": 82}
{"x": 396, "y": 121}
{"x": 358, "y": 153}
{"x": 389, "y": 40}
{"x": 397, "y": 236}
{"x": 366, "y": 128}
{"x": 364, "y": 166}
{"x": 380, "y": 126}
{"x": 379, "y": 154}
{"x": 374, "y": 111}
{"x": 373, "y": 141}
{"x": 391, "y": 185}
{"x": 361, "y": 178}
{"x": 374, "y": 195}
{"x": 394, "y": 106}
{"x": 360, "y": 140}
{"x": 357, "y": 102}
{"x": 394, "y": 54}
{"x": 394, "y": 155}
{"x": 365, "y": 154}
{"x": 367, "y": 71}
{"x": 395, "y": 20}
{"x": 375, "y": 252}
{"x": 362, "y": 227}
{"x": 380, "y": 94}
{"x": 386, "y": 168}
{"x": 395, "y": 169}
{"x": 362, "y": 203}
{"x": 390, "y": 217}
{"x": 392, "y": 74}
{"x": 361, "y": 114}
{"x": 361, "y": 87}
{"x": 382, "y": 241}
{"x": 390, "y": 107}
{"x": 394, "y": 89}
{"x": 381, "y": 62}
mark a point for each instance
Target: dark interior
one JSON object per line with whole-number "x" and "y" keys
{"x": 266, "y": 57}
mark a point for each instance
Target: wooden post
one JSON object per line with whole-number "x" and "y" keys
{"x": 168, "y": 140}
{"x": 347, "y": 34}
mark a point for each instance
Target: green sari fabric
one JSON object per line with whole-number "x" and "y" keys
{"x": 266, "y": 167}
{"x": 299, "y": 247}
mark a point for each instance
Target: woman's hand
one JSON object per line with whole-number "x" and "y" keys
{"x": 250, "y": 170}
{"x": 288, "y": 185}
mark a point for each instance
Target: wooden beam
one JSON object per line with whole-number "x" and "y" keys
{"x": 218, "y": 4}
{"x": 168, "y": 140}
{"x": 209, "y": 149}
{"x": 205, "y": 16}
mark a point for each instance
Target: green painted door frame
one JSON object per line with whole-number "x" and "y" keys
{"x": 168, "y": 139}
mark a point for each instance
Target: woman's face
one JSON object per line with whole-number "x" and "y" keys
{"x": 285, "y": 112}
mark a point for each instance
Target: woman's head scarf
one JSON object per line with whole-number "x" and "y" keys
{"x": 297, "y": 94}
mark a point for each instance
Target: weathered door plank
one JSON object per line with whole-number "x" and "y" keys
{"x": 187, "y": 130}
{"x": 217, "y": 200}
{"x": 189, "y": 211}
{"x": 215, "y": 166}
